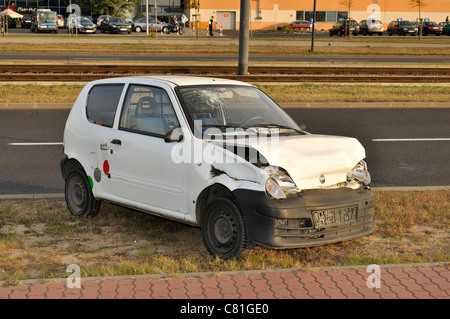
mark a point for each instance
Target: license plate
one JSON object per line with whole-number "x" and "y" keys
{"x": 435, "y": 28}
{"x": 123, "y": 29}
{"x": 334, "y": 217}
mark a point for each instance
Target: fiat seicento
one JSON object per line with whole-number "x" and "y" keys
{"x": 217, "y": 154}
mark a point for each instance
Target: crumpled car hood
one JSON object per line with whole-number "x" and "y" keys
{"x": 312, "y": 161}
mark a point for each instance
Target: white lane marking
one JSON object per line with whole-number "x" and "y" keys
{"x": 410, "y": 139}
{"x": 35, "y": 144}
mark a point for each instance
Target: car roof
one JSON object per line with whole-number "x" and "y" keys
{"x": 175, "y": 80}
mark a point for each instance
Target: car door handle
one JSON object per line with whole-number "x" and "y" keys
{"x": 117, "y": 142}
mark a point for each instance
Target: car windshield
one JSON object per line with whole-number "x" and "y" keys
{"x": 117, "y": 20}
{"x": 405, "y": 23}
{"x": 229, "y": 108}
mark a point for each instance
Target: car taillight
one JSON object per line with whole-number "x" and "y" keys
{"x": 429, "y": 28}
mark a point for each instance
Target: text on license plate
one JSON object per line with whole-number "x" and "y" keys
{"x": 334, "y": 217}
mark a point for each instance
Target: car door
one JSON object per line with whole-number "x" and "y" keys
{"x": 142, "y": 172}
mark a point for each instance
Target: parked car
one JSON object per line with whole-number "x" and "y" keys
{"x": 82, "y": 25}
{"x": 115, "y": 25}
{"x": 100, "y": 19}
{"x": 299, "y": 25}
{"x": 60, "y": 21}
{"x": 26, "y": 21}
{"x": 140, "y": 24}
{"x": 370, "y": 26}
{"x": 402, "y": 28}
{"x": 446, "y": 28}
{"x": 213, "y": 153}
{"x": 44, "y": 20}
{"x": 340, "y": 28}
{"x": 430, "y": 27}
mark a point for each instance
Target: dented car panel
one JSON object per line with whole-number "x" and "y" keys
{"x": 214, "y": 153}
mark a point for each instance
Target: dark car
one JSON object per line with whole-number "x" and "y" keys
{"x": 26, "y": 21}
{"x": 115, "y": 25}
{"x": 446, "y": 28}
{"x": 340, "y": 28}
{"x": 430, "y": 27}
{"x": 402, "y": 28}
{"x": 82, "y": 25}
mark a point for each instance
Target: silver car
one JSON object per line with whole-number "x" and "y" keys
{"x": 140, "y": 24}
{"x": 370, "y": 26}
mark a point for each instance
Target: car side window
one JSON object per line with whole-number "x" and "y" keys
{"x": 148, "y": 110}
{"x": 102, "y": 103}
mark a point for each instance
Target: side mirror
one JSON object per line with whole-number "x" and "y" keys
{"x": 303, "y": 126}
{"x": 173, "y": 136}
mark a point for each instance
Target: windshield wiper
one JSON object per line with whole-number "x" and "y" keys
{"x": 279, "y": 127}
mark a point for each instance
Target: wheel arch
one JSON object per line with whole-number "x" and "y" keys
{"x": 68, "y": 165}
{"x": 207, "y": 195}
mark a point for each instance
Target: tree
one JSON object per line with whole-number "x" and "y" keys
{"x": 117, "y": 8}
{"x": 418, "y": 4}
{"x": 348, "y": 4}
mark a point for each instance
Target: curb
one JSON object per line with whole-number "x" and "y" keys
{"x": 376, "y": 189}
{"x": 230, "y": 273}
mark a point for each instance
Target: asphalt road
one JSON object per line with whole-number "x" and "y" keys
{"x": 34, "y": 169}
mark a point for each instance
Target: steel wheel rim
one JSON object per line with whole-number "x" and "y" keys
{"x": 77, "y": 194}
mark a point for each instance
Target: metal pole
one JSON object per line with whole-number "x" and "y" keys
{"x": 243, "y": 37}
{"x": 146, "y": 16}
{"x": 313, "y": 29}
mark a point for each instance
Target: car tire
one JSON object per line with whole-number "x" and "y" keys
{"x": 78, "y": 194}
{"x": 223, "y": 229}
{"x": 166, "y": 30}
{"x": 138, "y": 29}
{"x": 330, "y": 33}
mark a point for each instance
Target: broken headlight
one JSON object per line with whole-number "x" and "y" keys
{"x": 360, "y": 174}
{"x": 279, "y": 184}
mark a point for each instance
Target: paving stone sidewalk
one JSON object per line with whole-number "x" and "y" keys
{"x": 419, "y": 281}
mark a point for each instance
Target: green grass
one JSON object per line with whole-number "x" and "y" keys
{"x": 409, "y": 227}
{"x": 67, "y": 93}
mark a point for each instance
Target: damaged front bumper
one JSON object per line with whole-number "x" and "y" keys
{"x": 313, "y": 218}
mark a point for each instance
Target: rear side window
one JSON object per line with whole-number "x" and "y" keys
{"x": 102, "y": 103}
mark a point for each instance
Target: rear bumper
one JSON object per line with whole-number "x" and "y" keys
{"x": 289, "y": 223}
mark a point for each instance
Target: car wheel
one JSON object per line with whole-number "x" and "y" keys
{"x": 138, "y": 29}
{"x": 330, "y": 33}
{"x": 223, "y": 229}
{"x": 79, "y": 198}
{"x": 166, "y": 30}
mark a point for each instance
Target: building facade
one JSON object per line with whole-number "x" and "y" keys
{"x": 268, "y": 14}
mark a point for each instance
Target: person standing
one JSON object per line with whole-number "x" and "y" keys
{"x": 211, "y": 23}
{"x": 184, "y": 19}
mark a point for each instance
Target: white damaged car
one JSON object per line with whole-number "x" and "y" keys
{"x": 214, "y": 153}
